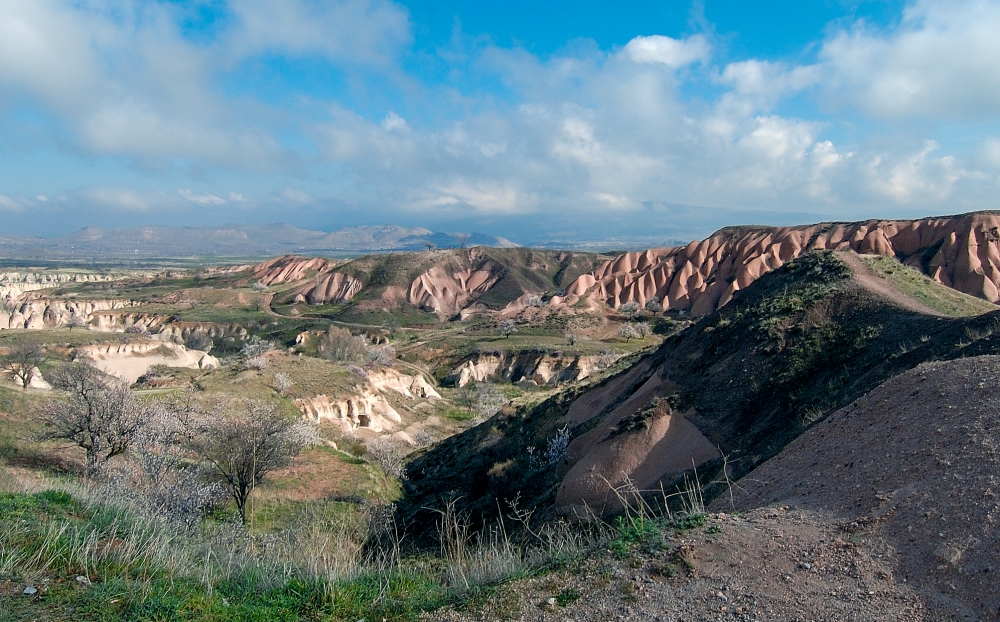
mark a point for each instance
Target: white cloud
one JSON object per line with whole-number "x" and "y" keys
{"x": 674, "y": 53}
{"x": 291, "y": 195}
{"x": 235, "y": 197}
{"x": 200, "y": 199}
{"x": 942, "y": 62}
{"x": 10, "y": 204}
{"x": 42, "y": 198}
{"x": 916, "y": 175}
{"x": 351, "y": 31}
{"x": 118, "y": 199}
{"x": 486, "y": 197}
{"x": 394, "y": 122}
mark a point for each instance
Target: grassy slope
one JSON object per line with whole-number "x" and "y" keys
{"x": 921, "y": 288}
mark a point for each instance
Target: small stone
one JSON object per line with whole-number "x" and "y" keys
{"x": 806, "y": 566}
{"x": 551, "y": 602}
{"x": 30, "y": 590}
{"x": 82, "y": 580}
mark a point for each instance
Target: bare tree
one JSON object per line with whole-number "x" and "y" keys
{"x": 244, "y": 446}
{"x": 100, "y": 414}
{"x": 77, "y": 321}
{"x": 572, "y": 338}
{"x": 338, "y": 344}
{"x": 628, "y": 331}
{"x": 643, "y": 330}
{"x": 653, "y": 305}
{"x": 462, "y": 239}
{"x": 22, "y": 362}
{"x": 629, "y": 309}
{"x": 429, "y": 245}
{"x": 488, "y": 400}
{"x": 507, "y": 328}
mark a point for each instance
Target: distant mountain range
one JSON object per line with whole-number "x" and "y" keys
{"x": 233, "y": 240}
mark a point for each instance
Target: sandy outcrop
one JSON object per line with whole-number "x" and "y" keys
{"x": 539, "y": 367}
{"x": 412, "y": 387}
{"x": 368, "y": 410}
{"x": 330, "y": 288}
{"x": 447, "y": 292}
{"x": 179, "y": 332}
{"x": 288, "y": 269}
{"x": 34, "y": 314}
{"x": 133, "y": 359}
{"x": 962, "y": 252}
{"x": 54, "y": 279}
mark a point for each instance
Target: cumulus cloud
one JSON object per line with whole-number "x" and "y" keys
{"x": 351, "y": 31}
{"x": 942, "y": 62}
{"x": 581, "y": 133}
{"x": 674, "y": 53}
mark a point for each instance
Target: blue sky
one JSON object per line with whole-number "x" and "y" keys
{"x": 532, "y": 120}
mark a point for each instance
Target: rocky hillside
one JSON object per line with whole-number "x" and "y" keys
{"x": 441, "y": 284}
{"x": 914, "y": 463}
{"x": 962, "y": 252}
{"x": 799, "y": 343}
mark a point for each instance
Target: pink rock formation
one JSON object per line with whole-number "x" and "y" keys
{"x": 288, "y": 269}
{"x": 962, "y": 252}
{"x": 329, "y": 288}
{"x": 447, "y": 293}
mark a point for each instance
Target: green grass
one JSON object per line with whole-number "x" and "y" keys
{"x": 925, "y": 290}
{"x": 141, "y": 570}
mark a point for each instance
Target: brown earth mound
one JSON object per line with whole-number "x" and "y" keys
{"x": 962, "y": 252}
{"x": 288, "y": 269}
{"x": 917, "y": 463}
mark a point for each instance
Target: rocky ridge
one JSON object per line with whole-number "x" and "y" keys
{"x": 962, "y": 252}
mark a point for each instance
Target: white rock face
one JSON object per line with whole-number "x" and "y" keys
{"x": 131, "y": 360}
{"x": 369, "y": 410}
{"x": 538, "y": 367}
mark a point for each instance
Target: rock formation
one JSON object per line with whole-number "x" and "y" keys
{"x": 537, "y": 367}
{"x": 446, "y": 293}
{"x": 133, "y": 359}
{"x": 330, "y": 288}
{"x": 41, "y": 313}
{"x": 962, "y": 252}
{"x": 369, "y": 409}
{"x": 288, "y": 269}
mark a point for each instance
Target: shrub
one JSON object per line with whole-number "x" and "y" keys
{"x": 628, "y": 331}
{"x": 507, "y": 328}
{"x": 389, "y": 455}
{"x": 282, "y": 382}
{"x": 382, "y": 355}
{"x": 255, "y": 346}
{"x": 629, "y": 310}
{"x": 556, "y": 450}
{"x": 255, "y": 362}
{"x": 534, "y": 301}
{"x": 338, "y": 344}
{"x": 199, "y": 341}
{"x": 488, "y": 400}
